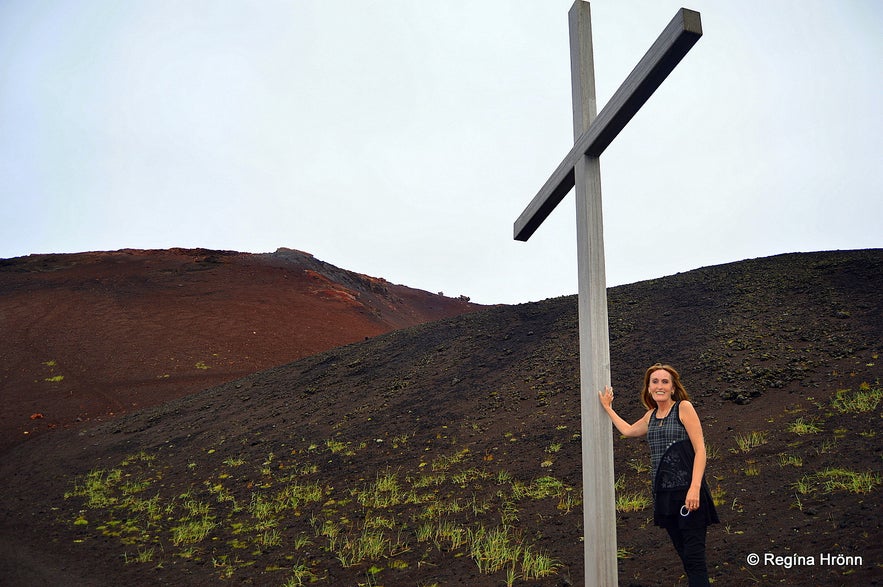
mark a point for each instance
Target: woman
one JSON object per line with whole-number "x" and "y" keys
{"x": 682, "y": 503}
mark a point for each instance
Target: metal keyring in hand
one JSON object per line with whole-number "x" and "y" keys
{"x": 683, "y": 509}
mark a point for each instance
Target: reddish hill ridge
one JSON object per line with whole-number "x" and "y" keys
{"x": 88, "y": 336}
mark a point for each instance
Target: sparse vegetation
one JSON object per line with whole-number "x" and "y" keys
{"x": 640, "y": 466}
{"x": 712, "y": 451}
{"x": 790, "y": 460}
{"x": 751, "y": 470}
{"x": 718, "y": 495}
{"x": 335, "y": 446}
{"x": 751, "y": 440}
{"x": 801, "y": 426}
{"x": 632, "y": 502}
{"x": 394, "y": 512}
{"x": 832, "y": 479}
{"x": 864, "y": 399}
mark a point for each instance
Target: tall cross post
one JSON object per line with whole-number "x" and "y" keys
{"x": 581, "y": 169}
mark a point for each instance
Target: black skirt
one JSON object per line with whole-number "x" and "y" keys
{"x": 673, "y": 478}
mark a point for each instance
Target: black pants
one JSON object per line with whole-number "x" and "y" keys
{"x": 690, "y": 544}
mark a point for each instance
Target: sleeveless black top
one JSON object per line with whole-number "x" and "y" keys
{"x": 671, "y": 460}
{"x": 661, "y": 434}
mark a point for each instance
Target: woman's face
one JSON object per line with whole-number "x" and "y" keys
{"x": 660, "y": 386}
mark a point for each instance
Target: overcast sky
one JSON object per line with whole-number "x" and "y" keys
{"x": 402, "y": 138}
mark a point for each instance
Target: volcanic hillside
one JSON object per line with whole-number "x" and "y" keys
{"x": 448, "y": 453}
{"x": 90, "y": 335}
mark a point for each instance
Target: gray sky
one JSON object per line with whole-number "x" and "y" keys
{"x": 402, "y": 139}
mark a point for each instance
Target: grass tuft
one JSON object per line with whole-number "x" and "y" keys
{"x": 747, "y": 442}
{"x": 632, "y": 502}
{"x": 801, "y": 427}
{"x": 865, "y": 399}
{"x": 835, "y": 479}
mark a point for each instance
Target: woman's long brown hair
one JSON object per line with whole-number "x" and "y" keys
{"x": 680, "y": 394}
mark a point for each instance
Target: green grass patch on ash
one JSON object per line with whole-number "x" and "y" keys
{"x": 751, "y": 440}
{"x": 865, "y": 399}
{"x": 801, "y": 426}
{"x": 236, "y": 514}
{"x": 835, "y": 479}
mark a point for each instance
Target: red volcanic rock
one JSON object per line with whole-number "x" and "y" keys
{"x": 89, "y": 336}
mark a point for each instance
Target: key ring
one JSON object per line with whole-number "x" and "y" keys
{"x": 683, "y": 509}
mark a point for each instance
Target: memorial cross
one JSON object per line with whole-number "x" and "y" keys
{"x": 581, "y": 169}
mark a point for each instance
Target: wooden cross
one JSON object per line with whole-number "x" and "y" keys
{"x": 581, "y": 168}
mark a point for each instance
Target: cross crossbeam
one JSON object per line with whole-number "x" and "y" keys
{"x": 660, "y": 60}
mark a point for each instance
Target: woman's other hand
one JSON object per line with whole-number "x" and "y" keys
{"x": 692, "y": 501}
